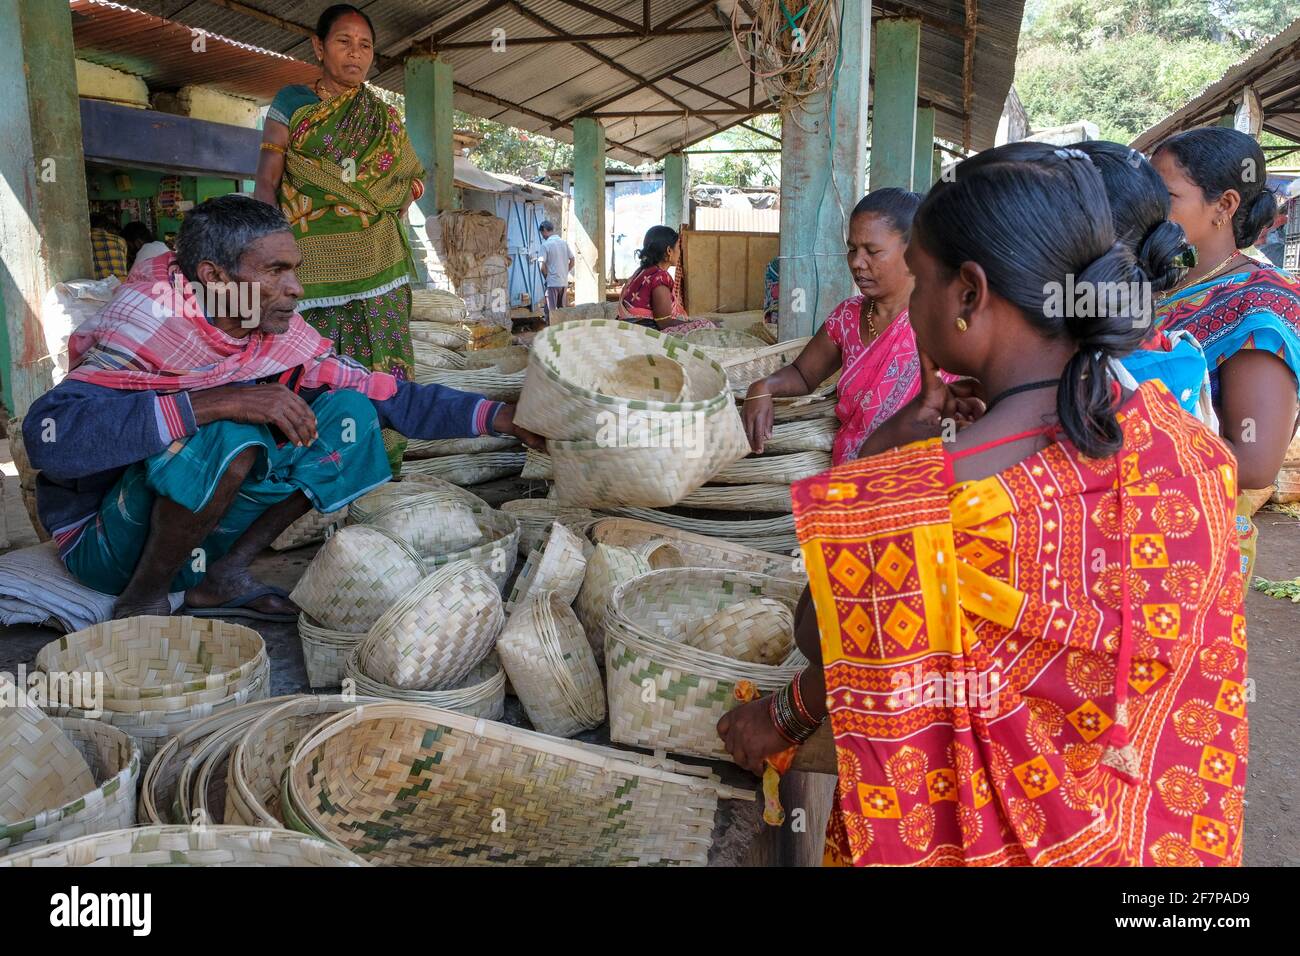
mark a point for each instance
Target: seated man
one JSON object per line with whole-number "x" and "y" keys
{"x": 202, "y": 417}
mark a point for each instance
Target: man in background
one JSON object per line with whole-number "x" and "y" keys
{"x": 557, "y": 264}
{"x": 108, "y": 248}
{"x": 141, "y": 246}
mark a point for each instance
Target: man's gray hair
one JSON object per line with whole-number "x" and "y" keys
{"x": 221, "y": 229}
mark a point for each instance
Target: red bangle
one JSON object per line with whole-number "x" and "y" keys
{"x": 771, "y": 712}
{"x": 417, "y": 188}
{"x": 796, "y": 695}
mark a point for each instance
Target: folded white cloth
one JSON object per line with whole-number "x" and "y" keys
{"x": 35, "y": 588}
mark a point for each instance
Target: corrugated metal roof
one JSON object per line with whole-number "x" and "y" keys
{"x": 1273, "y": 69}
{"x": 542, "y": 88}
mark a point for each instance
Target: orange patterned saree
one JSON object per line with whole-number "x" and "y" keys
{"x": 1043, "y": 667}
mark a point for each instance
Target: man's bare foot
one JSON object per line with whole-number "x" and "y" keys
{"x": 219, "y": 589}
{"x": 132, "y": 606}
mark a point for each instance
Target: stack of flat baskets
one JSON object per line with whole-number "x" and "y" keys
{"x": 161, "y": 674}
{"x": 744, "y": 357}
{"x": 188, "y": 846}
{"x": 63, "y": 777}
{"x": 633, "y": 417}
{"x": 474, "y": 792}
{"x": 651, "y": 620}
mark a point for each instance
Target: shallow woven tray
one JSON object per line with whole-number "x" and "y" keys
{"x": 152, "y": 662}
{"x": 441, "y": 447}
{"x": 467, "y": 469}
{"x": 561, "y": 802}
{"x": 188, "y": 846}
{"x": 645, "y": 629}
{"x": 698, "y": 550}
{"x": 551, "y": 667}
{"x": 113, "y": 760}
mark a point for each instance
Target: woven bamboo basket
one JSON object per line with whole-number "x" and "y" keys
{"x": 467, "y": 469}
{"x": 26, "y": 476}
{"x": 820, "y": 404}
{"x": 325, "y": 651}
{"x": 537, "y": 466}
{"x": 188, "y": 846}
{"x": 311, "y": 528}
{"x": 428, "y": 356}
{"x": 655, "y": 470}
{"x": 509, "y": 360}
{"x": 151, "y": 729}
{"x": 558, "y": 567}
{"x": 261, "y": 755}
{"x": 697, "y": 550}
{"x": 815, "y": 434}
{"x": 536, "y": 515}
{"x": 661, "y": 553}
{"x": 759, "y": 630}
{"x": 43, "y": 768}
{"x": 1287, "y": 487}
{"x": 609, "y": 567}
{"x": 645, "y": 630}
{"x": 441, "y": 447}
{"x": 740, "y": 498}
{"x": 158, "y": 787}
{"x": 201, "y": 785}
{"x": 765, "y": 331}
{"x": 113, "y": 762}
{"x": 773, "y": 469}
{"x": 442, "y": 334}
{"x": 482, "y": 692}
{"x": 355, "y": 575}
{"x": 430, "y": 523}
{"x": 435, "y": 633}
{"x": 582, "y": 373}
{"x": 497, "y": 550}
{"x": 361, "y": 509}
{"x": 762, "y": 534}
{"x": 490, "y": 382}
{"x": 744, "y": 367}
{"x": 155, "y": 663}
{"x": 436, "y": 305}
{"x": 551, "y": 667}
{"x": 564, "y": 802}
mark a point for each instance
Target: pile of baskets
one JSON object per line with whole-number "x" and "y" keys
{"x": 633, "y": 417}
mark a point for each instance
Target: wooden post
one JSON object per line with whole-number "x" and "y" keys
{"x": 823, "y": 175}
{"x": 429, "y": 124}
{"x": 588, "y": 233}
{"x": 893, "y": 102}
{"x": 676, "y": 190}
{"x": 44, "y": 214}
{"x": 923, "y": 163}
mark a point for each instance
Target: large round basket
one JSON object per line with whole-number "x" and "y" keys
{"x": 355, "y": 575}
{"x": 108, "y": 804}
{"x": 497, "y": 550}
{"x": 188, "y": 846}
{"x": 466, "y": 792}
{"x": 430, "y": 523}
{"x": 645, "y": 633}
{"x": 435, "y": 633}
{"x": 154, "y": 663}
{"x": 361, "y": 509}
{"x": 551, "y": 667}
{"x": 482, "y": 693}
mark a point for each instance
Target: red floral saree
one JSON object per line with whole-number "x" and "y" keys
{"x": 1046, "y": 666}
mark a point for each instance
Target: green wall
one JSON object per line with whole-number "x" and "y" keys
{"x": 101, "y": 184}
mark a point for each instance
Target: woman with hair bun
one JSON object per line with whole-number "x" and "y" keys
{"x": 651, "y": 296}
{"x": 1245, "y": 313}
{"x": 1024, "y": 632}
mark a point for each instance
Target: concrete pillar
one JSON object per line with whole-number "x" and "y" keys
{"x": 588, "y": 234}
{"x": 823, "y": 172}
{"x": 44, "y": 215}
{"x": 893, "y": 102}
{"x": 677, "y": 190}
{"x": 923, "y": 163}
{"x": 429, "y": 124}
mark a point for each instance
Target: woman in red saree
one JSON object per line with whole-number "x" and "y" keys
{"x": 1029, "y": 640}
{"x": 867, "y": 336}
{"x": 652, "y": 297}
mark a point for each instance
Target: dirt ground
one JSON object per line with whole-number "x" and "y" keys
{"x": 1272, "y": 822}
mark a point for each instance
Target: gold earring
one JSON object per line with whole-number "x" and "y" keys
{"x": 1218, "y": 224}
{"x": 961, "y": 324}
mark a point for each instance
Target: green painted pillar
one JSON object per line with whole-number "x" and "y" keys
{"x": 429, "y": 124}
{"x": 936, "y": 169}
{"x": 677, "y": 188}
{"x": 44, "y": 215}
{"x": 817, "y": 185}
{"x": 1228, "y": 119}
{"x": 923, "y": 163}
{"x": 893, "y": 102}
{"x": 588, "y": 230}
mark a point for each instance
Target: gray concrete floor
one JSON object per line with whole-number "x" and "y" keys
{"x": 1272, "y": 823}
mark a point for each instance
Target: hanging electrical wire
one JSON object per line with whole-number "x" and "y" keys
{"x": 793, "y": 52}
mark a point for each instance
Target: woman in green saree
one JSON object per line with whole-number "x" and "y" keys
{"x": 337, "y": 161}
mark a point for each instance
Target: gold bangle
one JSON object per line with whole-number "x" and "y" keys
{"x": 274, "y": 148}
{"x": 764, "y": 395}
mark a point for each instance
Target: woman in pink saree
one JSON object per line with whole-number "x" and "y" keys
{"x": 867, "y": 336}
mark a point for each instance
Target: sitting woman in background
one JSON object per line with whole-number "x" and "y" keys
{"x": 650, "y": 297}
{"x": 1139, "y": 206}
{"x": 1030, "y": 638}
{"x": 1245, "y": 314}
{"x": 867, "y": 335}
